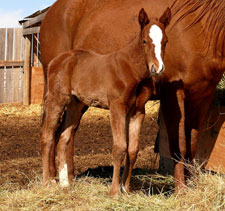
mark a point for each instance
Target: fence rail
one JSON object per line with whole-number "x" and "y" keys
{"x": 11, "y": 65}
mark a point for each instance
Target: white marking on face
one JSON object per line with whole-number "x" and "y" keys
{"x": 63, "y": 177}
{"x": 155, "y": 33}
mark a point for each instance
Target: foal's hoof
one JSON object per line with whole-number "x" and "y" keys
{"x": 124, "y": 189}
{"x": 64, "y": 184}
{"x": 114, "y": 192}
{"x": 50, "y": 182}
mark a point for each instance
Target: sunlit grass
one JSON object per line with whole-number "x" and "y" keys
{"x": 205, "y": 191}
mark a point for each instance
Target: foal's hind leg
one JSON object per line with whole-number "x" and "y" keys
{"x": 118, "y": 124}
{"x": 53, "y": 110}
{"x": 65, "y": 147}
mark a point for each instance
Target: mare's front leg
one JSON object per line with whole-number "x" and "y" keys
{"x": 172, "y": 105}
{"x": 54, "y": 107}
{"x": 136, "y": 119}
{"x": 65, "y": 147}
{"x": 119, "y": 131}
{"x": 196, "y": 116}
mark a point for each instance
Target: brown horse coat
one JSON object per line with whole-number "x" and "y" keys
{"x": 194, "y": 57}
{"x": 120, "y": 81}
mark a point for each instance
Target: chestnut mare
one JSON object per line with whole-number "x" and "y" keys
{"x": 119, "y": 81}
{"x": 194, "y": 58}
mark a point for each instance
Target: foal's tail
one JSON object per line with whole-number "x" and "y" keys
{"x": 61, "y": 121}
{"x": 44, "y": 97}
{"x": 44, "y": 105}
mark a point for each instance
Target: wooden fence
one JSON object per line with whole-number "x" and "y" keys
{"x": 20, "y": 67}
{"x": 11, "y": 65}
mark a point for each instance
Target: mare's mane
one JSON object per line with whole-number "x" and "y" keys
{"x": 214, "y": 27}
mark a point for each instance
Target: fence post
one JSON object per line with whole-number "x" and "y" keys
{"x": 27, "y": 74}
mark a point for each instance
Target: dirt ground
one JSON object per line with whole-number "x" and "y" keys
{"x": 20, "y": 158}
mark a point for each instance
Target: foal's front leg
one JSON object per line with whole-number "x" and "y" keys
{"x": 136, "y": 119}
{"x": 118, "y": 124}
{"x": 135, "y": 124}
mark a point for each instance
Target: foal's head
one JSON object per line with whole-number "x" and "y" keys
{"x": 154, "y": 40}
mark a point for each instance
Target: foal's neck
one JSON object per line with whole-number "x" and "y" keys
{"x": 137, "y": 55}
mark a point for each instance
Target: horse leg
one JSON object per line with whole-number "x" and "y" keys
{"x": 172, "y": 104}
{"x": 52, "y": 166}
{"x": 72, "y": 109}
{"x": 197, "y": 120}
{"x": 135, "y": 124}
{"x": 54, "y": 107}
{"x": 65, "y": 147}
{"x": 119, "y": 131}
{"x": 179, "y": 161}
{"x": 136, "y": 119}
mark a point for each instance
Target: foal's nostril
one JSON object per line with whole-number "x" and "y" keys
{"x": 153, "y": 70}
{"x": 162, "y": 69}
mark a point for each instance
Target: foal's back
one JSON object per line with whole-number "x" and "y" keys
{"x": 94, "y": 78}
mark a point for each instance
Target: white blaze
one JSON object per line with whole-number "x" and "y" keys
{"x": 155, "y": 33}
{"x": 63, "y": 177}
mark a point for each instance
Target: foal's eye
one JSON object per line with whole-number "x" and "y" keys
{"x": 166, "y": 42}
{"x": 144, "y": 41}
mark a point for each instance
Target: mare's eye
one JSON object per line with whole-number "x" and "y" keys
{"x": 144, "y": 41}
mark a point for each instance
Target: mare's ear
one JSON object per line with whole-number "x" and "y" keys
{"x": 166, "y": 17}
{"x": 143, "y": 18}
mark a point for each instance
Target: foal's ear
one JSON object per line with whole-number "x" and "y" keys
{"x": 143, "y": 18}
{"x": 166, "y": 17}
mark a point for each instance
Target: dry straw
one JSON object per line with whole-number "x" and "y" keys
{"x": 205, "y": 191}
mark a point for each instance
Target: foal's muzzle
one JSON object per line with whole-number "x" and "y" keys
{"x": 158, "y": 72}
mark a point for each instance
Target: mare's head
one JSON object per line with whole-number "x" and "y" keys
{"x": 154, "y": 40}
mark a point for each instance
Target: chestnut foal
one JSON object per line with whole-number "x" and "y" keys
{"x": 120, "y": 81}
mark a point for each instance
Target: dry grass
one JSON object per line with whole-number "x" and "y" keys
{"x": 204, "y": 192}
{"x": 18, "y": 109}
{"x": 150, "y": 191}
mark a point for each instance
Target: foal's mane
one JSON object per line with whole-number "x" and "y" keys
{"x": 214, "y": 26}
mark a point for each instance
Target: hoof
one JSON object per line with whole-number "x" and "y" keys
{"x": 64, "y": 184}
{"x": 50, "y": 182}
{"x": 114, "y": 193}
{"x": 71, "y": 178}
{"x": 124, "y": 189}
